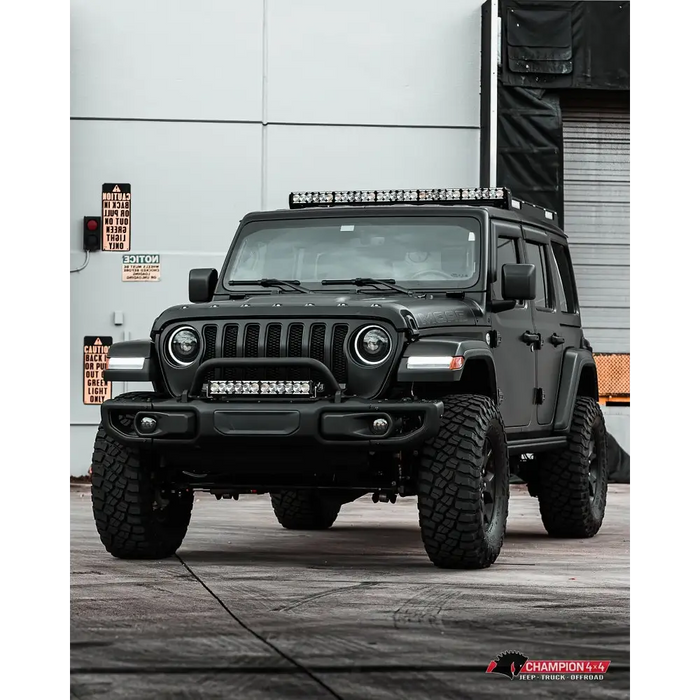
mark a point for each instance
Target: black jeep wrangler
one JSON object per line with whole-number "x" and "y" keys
{"x": 399, "y": 342}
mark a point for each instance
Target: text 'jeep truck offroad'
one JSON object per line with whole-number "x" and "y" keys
{"x": 398, "y": 343}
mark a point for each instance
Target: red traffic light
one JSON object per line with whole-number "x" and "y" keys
{"x": 91, "y": 233}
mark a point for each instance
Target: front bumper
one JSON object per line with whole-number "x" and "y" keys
{"x": 339, "y": 422}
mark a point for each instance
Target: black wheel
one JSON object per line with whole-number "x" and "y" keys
{"x": 463, "y": 485}
{"x": 304, "y": 510}
{"x": 135, "y": 518}
{"x": 573, "y": 483}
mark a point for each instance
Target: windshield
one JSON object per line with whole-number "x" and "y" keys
{"x": 428, "y": 252}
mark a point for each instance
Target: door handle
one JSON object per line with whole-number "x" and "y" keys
{"x": 557, "y": 340}
{"x": 532, "y": 339}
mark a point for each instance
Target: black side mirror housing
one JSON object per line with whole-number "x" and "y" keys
{"x": 202, "y": 284}
{"x": 518, "y": 281}
{"x": 517, "y": 284}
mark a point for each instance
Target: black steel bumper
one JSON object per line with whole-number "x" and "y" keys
{"x": 334, "y": 421}
{"x": 324, "y": 421}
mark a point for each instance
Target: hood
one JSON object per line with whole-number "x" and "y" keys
{"x": 404, "y": 312}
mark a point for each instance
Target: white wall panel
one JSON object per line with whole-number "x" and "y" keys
{"x": 191, "y": 183}
{"x": 368, "y": 62}
{"x": 167, "y": 59}
{"x": 336, "y": 158}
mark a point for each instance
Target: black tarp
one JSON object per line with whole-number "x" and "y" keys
{"x": 618, "y": 462}
{"x": 550, "y": 48}
{"x": 529, "y": 145}
{"x": 555, "y": 44}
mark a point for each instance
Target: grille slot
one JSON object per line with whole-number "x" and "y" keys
{"x": 316, "y": 348}
{"x": 272, "y": 347}
{"x": 295, "y": 348}
{"x": 339, "y": 362}
{"x": 230, "y": 350}
{"x": 318, "y": 336}
{"x": 296, "y": 336}
{"x": 209, "y": 353}
{"x": 252, "y": 336}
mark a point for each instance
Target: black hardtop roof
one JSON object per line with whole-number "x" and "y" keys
{"x": 400, "y": 210}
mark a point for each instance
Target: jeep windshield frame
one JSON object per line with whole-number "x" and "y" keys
{"x": 431, "y": 248}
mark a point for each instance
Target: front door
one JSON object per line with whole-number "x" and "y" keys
{"x": 515, "y": 360}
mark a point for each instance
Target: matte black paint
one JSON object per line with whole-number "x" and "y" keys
{"x": 255, "y": 421}
{"x": 430, "y": 322}
{"x": 202, "y": 284}
{"x": 443, "y": 346}
{"x": 573, "y": 363}
{"x": 134, "y": 348}
{"x": 518, "y": 281}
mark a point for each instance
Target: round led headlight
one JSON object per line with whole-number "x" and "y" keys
{"x": 372, "y": 345}
{"x": 183, "y": 346}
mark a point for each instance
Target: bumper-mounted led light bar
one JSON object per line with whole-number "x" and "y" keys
{"x": 500, "y": 197}
{"x": 259, "y": 388}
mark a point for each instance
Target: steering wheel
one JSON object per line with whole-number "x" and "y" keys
{"x": 440, "y": 274}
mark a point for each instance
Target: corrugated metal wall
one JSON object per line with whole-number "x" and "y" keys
{"x": 597, "y": 213}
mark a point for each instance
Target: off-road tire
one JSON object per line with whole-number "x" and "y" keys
{"x": 563, "y": 486}
{"x": 124, "y": 497}
{"x": 304, "y": 510}
{"x": 450, "y": 481}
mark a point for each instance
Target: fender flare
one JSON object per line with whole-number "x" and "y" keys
{"x": 150, "y": 370}
{"x": 442, "y": 346}
{"x": 574, "y": 362}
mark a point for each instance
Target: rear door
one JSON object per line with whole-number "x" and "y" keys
{"x": 515, "y": 361}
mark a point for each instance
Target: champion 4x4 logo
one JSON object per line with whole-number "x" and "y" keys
{"x": 509, "y": 663}
{"x": 514, "y": 664}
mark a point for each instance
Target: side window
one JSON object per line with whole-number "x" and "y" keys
{"x": 536, "y": 255}
{"x": 564, "y": 273}
{"x": 507, "y": 253}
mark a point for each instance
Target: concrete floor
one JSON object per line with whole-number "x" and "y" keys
{"x": 250, "y": 610}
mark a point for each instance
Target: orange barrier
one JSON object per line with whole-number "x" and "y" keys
{"x": 613, "y": 378}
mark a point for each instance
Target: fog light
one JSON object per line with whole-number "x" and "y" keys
{"x": 147, "y": 424}
{"x": 380, "y": 426}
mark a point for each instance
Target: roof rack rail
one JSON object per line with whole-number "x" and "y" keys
{"x": 500, "y": 197}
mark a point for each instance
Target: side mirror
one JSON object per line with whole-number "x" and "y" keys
{"x": 202, "y": 284}
{"x": 518, "y": 281}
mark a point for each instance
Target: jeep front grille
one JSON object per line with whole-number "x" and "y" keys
{"x": 320, "y": 341}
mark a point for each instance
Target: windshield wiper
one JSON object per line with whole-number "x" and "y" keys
{"x": 273, "y": 282}
{"x": 370, "y": 281}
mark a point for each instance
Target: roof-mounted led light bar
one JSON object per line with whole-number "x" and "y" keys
{"x": 480, "y": 196}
